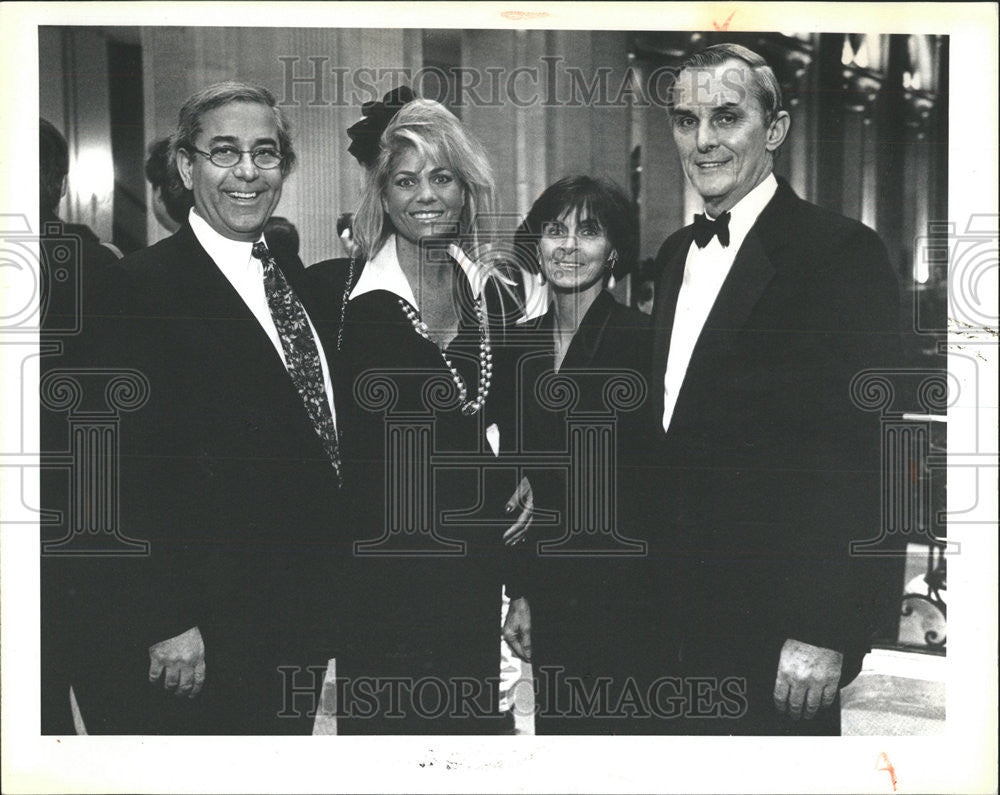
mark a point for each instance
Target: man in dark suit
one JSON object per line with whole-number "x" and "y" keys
{"x": 766, "y": 309}
{"x": 74, "y": 263}
{"x": 231, "y": 469}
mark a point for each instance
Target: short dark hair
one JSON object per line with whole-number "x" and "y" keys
{"x": 53, "y": 165}
{"x": 597, "y": 198}
{"x": 764, "y": 84}
{"x": 218, "y": 95}
{"x": 161, "y": 171}
{"x": 282, "y": 237}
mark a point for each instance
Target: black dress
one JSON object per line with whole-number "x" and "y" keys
{"x": 593, "y": 653}
{"x": 421, "y": 651}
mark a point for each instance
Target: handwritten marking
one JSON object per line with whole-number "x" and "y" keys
{"x": 516, "y": 16}
{"x": 724, "y": 25}
{"x": 887, "y": 767}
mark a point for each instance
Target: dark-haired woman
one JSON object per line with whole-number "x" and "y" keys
{"x": 582, "y": 385}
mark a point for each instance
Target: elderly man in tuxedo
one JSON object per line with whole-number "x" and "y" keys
{"x": 230, "y": 471}
{"x": 766, "y": 309}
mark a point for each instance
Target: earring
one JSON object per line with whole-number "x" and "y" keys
{"x": 613, "y": 259}
{"x": 539, "y": 275}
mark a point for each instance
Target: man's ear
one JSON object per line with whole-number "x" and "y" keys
{"x": 62, "y": 187}
{"x": 184, "y": 167}
{"x": 777, "y": 130}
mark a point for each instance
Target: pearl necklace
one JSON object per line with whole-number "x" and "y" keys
{"x": 469, "y": 407}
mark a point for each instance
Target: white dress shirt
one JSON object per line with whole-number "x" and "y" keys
{"x": 383, "y": 272}
{"x": 246, "y": 274}
{"x": 705, "y": 271}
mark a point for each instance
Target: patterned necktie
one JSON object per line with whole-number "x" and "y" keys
{"x": 301, "y": 352}
{"x": 705, "y": 229}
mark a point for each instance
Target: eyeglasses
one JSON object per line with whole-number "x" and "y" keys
{"x": 229, "y": 156}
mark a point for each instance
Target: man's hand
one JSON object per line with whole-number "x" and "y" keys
{"x": 807, "y": 679}
{"x": 525, "y": 499}
{"x": 181, "y": 661}
{"x": 517, "y": 628}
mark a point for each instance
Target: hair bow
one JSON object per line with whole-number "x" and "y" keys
{"x": 376, "y": 116}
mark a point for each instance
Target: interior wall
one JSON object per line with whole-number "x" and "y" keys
{"x": 73, "y": 95}
{"x": 556, "y": 112}
{"x": 301, "y": 68}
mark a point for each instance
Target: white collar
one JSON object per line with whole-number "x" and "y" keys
{"x": 383, "y": 272}
{"x": 221, "y": 249}
{"x": 744, "y": 213}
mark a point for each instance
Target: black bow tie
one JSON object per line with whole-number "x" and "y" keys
{"x": 704, "y": 229}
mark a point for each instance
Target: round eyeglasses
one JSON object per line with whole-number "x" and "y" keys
{"x": 229, "y": 156}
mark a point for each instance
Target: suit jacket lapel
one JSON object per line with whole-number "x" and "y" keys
{"x": 587, "y": 341}
{"x": 743, "y": 287}
{"x": 219, "y": 315}
{"x": 752, "y": 269}
{"x": 749, "y": 277}
{"x": 667, "y": 290}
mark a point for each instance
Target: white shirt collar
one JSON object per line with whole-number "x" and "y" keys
{"x": 744, "y": 214}
{"x": 222, "y": 250}
{"x": 383, "y": 272}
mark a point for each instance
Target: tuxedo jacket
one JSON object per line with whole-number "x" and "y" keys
{"x": 768, "y": 470}
{"x": 223, "y": 474}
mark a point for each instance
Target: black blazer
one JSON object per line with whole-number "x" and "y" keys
{"x": 568, "y": 592}
{"x": 223, "y": 473}
{"x": 768, "y": 469}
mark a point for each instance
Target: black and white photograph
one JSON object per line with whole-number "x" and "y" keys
{"x": 560, "y": 394}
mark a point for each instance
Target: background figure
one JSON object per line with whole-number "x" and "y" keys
{"x": 65, "y": 304}
{"x": 766, "y": 309}
{"x": 425, "y": 319}
{"x": 53, "y": 171}
{"x": 644, "y": 297}
{"x": 585, "y": 630}
{"x": 171, "y": 200}
{"x": 283, "y": 239}
{"x": 345, "y": 231}
{"x": 644, "y": 283}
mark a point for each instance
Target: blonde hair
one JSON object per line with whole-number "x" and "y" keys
{"x": 433, "y": 131}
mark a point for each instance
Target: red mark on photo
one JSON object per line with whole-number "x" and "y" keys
{"x": 883, "y": 763}
{"x": 724, "y": 25}
{"x": 519, "y": 15}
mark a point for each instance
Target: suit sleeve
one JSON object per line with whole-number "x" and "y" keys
{"x": 856, "y": 305}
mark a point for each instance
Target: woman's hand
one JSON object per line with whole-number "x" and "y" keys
{"x": 524, "y": 499}
{"x": 517, "y": 628}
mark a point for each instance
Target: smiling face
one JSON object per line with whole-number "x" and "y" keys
{"x": 422, "y": 197}
{"x": 726, "y": 144}
{"x": 574, "y": 251}
{"x": 236, "y": 201}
